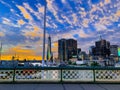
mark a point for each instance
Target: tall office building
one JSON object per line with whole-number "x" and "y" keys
{"x": 91, "y": 50}
{"x": 62, "y": 50}
{"x": 71, "y": 48}
{"x": 78, "y": 53}
{"x": 114, "y": 50}
{"x": 102, "y": 48}
{"x": 67, "y": 48}
{"x": 78, "y": 50}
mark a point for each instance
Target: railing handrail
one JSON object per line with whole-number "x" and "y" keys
{"x": 89, "y": 74}
{"x": 66, "y": 68}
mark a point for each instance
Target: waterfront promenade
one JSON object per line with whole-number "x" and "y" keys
{"x": 59, "y": 86}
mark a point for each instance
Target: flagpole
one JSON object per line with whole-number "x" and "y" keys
{"x": 44, "y": 34}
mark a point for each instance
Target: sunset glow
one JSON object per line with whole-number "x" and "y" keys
{"x": 21, "y": 25}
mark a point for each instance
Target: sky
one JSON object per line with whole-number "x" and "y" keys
{"x": 22, "y": 23}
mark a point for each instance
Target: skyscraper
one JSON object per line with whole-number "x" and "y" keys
{"x": 78, "y": 53}
{"x": 114, "y": 50}
{"x": 91, "y": 50}
{"x": 49, "y": 53}
{"x": 67, "y": 48}
{"x": 71, "y": 48}
{"x": 62, "y": 50}
{"x": 102, "y": 48}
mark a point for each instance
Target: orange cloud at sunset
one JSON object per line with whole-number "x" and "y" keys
{"x": 1, "y": 34}
{"x": 21, "y": 22}
{"x": 32, "y": 34}
{"x": 55, "y": 49}
{"x": 36, "y": 28}
{"x": 21, "y": 54}
{"x": 21, "y": 57}
{"x": 107, "y": 1}
{"x": 36, "y": 32}
{"x": 24, "y": 12}
{"x": 118, "y": 13}
{"x": 55, "y": 44}
{"x": 41, "y": 9}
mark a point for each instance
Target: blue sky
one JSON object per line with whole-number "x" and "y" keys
{"x": 21, "y": 23}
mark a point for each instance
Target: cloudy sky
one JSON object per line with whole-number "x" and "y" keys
{"x": 21, "y": 24}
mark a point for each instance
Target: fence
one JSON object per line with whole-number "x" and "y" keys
{"x": 57, "y": 74}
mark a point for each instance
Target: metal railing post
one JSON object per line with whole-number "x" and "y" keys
{"x": 61, "y": 75}
{"x": 13, "y": 75}
{"x": 94, "y": 78}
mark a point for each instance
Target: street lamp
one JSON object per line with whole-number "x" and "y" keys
{"x": 44, "y": 34}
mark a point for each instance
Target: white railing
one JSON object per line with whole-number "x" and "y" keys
{"x": 102, "y": 75}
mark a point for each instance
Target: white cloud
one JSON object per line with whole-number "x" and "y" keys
{"x": 6, "y": 4}
{"x": 66, "y": 18}
{"x": 9, "y": 22}
{"x": 100, "y": 27}
{"x": 63, "y": 1}
{"x": 83, "y": 34}
{"x": 85, "y": 22}
{"x": 118, "y": 25}
{"x": 107, "y": 1}
{"x": 39, "y": 13}
{"x": 52, "y": 7}
{"x": 75, "y": 19}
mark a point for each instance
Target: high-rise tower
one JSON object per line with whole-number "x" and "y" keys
{"x": 67, "y": 49}
{"x": 49, "y": 53}
{"x": 102, "y": 48}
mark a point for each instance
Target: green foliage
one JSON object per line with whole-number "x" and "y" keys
{"x": 69, "y": 62}
{"x": 74, "y": 63}
{"x": 95, "y": 64}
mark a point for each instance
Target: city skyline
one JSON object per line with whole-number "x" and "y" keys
{"x": 21, "y": 26}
